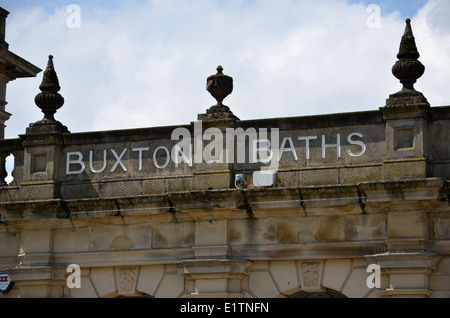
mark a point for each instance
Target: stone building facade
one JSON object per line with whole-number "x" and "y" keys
{"x": 341, "y": 205}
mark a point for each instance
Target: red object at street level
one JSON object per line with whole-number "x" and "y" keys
{"x": 5, "y": 283}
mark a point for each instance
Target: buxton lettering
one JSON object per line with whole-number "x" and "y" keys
{"x": 210, "y": 146}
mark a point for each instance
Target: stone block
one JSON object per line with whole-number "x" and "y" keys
{"x": 103, "y": 280}
{"x": 86, "y": 290}
{"x": 319, "y": 177}
{"x": 408, "y": 281}
{"x": 404, "y": 169}
{"x": 287, "y": 179}
{"x": 36, "y": 241}
{"x": 440, "y": 294}
{"x": 365, "y": 227}
{"x": 120, "y": 188}
{"x": 213, "y": 180}
{"x": 352, "y": 175}
{"x": 71, "y": 240}
{"x": 37, "y": 190}
{"x": 116, "y": 237}
{"x": 329, "y": 228}
{"x": 179, "y": 184}
{"x": 356, "y": 285}
{"x": 335, "y": 273}
{"x": 77, "y": 190}
{"x": 261, "y": 285}
{"x": 211, "y": 285}
{"x": 213, "y": 232}
{"x": 253, "y": 231}
{"x": 170, "y": 235}
{"x": 285, "y": 276}
{"x": 439, "y": 282}
{"x": 172, "y": 286}
{"x": 9, "y": 244}
{"x": 149, "y": 278}
{"x": 407, "y": 225}
{"x": 441, "y": 169}
{"x": 288, "y": 230}
{"x": 101, "y": 237}
{"x": 439, "y": 130}
{"x": 153, "y": 186}
{"x": 441, "y": 226}
{"x": 260, "y": 266}
{"x": 38, "y": 290}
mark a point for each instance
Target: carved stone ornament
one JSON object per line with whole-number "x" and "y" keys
{"x": 311, "y": 276}
{"x": 49, "y": 100}
{"x": 126, "y": 280}
{"x": 219, "y": 86}
{"x": 407, "y": 69}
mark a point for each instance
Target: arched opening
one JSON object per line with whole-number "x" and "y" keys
{"x": 329, "y": 293}
{"x": 144, "y": 295}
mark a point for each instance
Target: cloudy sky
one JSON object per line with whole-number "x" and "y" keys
{"x": 144, "y": 63}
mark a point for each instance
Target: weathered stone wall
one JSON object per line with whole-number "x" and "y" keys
{"x": 321, "y": 238}
{"x": 134, "y": 162}
{"x": 379, "y": 195}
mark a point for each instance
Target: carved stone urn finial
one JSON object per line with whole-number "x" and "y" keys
{"x": 219, "y": 86}
{"x": 49, "y": 100}
{"x": 408, "y": 69}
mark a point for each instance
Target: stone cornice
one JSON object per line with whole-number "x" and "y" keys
{"x": 231, "y": 204}
{"x": 16, "y": 66}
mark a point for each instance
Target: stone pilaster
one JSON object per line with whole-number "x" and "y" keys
{"x": 35, "y": 274}
{"x": 214, "y": 278}
{"x": 36, "y": 282}
{"x": 208, "y": 126}
{"x": 41, "y": 164}
{"x": 4, "y": 115}
{"x": 406, "y": 116}
{"x": 408, "y": 272}
{"x": 43, "y": 142}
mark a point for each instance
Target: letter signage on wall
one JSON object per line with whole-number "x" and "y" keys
{"x": 210, "y": 146}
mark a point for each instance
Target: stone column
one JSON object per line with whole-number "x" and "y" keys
{"x": 4, "y": 115}
{"x": 4, "y": 79}
{"x": 3, "y": 16}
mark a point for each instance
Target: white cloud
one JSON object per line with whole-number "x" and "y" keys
{"x": 146, "y": 64}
